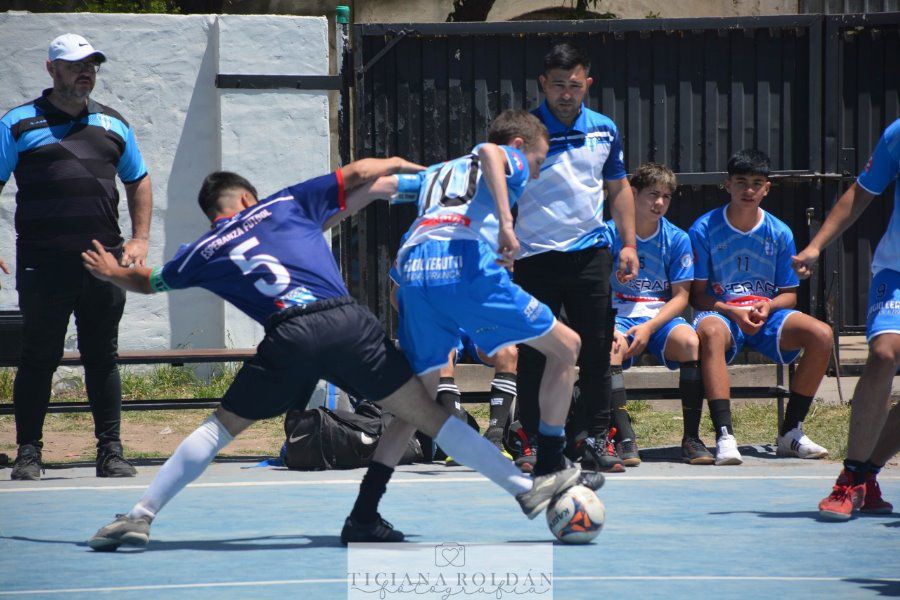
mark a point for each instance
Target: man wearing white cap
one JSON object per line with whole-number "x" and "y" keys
{"x": 65, "y": 151}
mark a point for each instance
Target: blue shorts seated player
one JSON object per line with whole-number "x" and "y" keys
{"x": 452, "y": 271}
{"x": 270, "y": 259}
{"x": 648, "y": 312}
{"x": 745, "y": 291}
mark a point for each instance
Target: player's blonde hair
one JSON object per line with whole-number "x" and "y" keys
{"x": 513, "y": 123}
{"x": 650, "y": 173}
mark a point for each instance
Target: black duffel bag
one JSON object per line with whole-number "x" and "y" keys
{"x": 320, "y": 438}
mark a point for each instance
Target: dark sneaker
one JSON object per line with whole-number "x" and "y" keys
{"x": 592, "y": 480}
{"x": 628, "y": 452}
{"x": 111, "y": 462}
{"x": 694, "y": 451}
{"x": 873, "y": 503}
{"x": 528, "y": 457}
{"x": 28, "y": 465}
{"x": 122, "y": 531}
{"x": 377, "y": 531}
{"x": 545, "y": 487}
{"x": 598, "y": 453}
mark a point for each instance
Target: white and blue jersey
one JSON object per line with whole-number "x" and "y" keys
{"x": 563, "y": 210}
{"x": 665, "y": 258}
{"x": 455, "y": 204}
{"x": 267, "y": 257}
{"x": 881, "y": 170}
{"x": 740, "y": 265}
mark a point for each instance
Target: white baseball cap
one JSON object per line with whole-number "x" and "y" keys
{"x": 70, "y": 46}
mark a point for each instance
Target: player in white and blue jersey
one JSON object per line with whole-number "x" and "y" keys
{"x": 874, "y": 435}
{"x": 270, "y": 259}
{"x": 745, "y": 290}
{"x": 452, "y": 274}
{"x": 649, "y": 308}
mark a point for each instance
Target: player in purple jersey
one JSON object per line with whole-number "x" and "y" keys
{"x": 745, "y": 291}
{"x": 649, "y": 309}
{"x": 270, "y": 259}
{"x": 874, "y": 435}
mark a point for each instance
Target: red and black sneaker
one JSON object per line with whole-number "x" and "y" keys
{"x": 527, "y": 451}
{"x": 845, "y": 497}
{"x": 598, "y": 452}
{"x": 873, "y": 503}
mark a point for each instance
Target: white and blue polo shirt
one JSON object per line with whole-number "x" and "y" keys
{"x": 563, "y": 210}
{"x": 882, "y": 169}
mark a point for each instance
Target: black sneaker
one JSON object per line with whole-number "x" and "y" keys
{"x": 694, "y": 451}
{"x": 528, "y": 457}
{"x": 111, "y": 462}
{"x": 628, "y": 452}
{"x": 598, "y": 453}
{"x": 378, "y": 531}
{"x": 28, "y": 465}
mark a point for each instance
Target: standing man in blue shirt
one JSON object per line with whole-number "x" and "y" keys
{"x": 874, "y": 426}
{"x": 66, "y": 151}
{"x": 565, "y": 260}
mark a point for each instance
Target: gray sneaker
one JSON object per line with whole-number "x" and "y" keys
{"x": 130, "y": 532}
{"x": 545, "y": 488}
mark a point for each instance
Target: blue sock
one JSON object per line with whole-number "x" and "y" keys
{"x": 551, "y": 430}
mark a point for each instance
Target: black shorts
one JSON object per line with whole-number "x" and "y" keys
{"x": 336, "y": 340}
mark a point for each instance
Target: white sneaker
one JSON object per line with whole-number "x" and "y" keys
{"x": 727, "y": 451}
{"x": 795, "y": 443}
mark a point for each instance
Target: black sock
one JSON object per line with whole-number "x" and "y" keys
{"x": 449, "y": 396}
{"x": 550, "y": 453}
{"x": 795, "y": 413}
{"x": 371, "y": 490}
{"x": 503, "y": 392}
{"x": 857, "y": 470}
{"x": 873, "y": 468}
{"x": 720, "y": 413}
{"x": 620, "y": 417}
{"x": 690, "y": 387}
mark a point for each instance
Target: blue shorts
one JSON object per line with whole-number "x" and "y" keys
{"x": 657, "y": 344}
{"x": 466, "y": 346}
{"x": 450, "y": 285}
{"x": 883, "y": 314}
{"x": 766, "y": 341}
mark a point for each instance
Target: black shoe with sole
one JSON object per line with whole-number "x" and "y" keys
{"x": 377, "y": 531}
{"x": 28, "y": 465}
{"x": 628, "y": 452}
{"x": 111, "y": 462}
{"x": 599, "y": 454}
{"x": 694, "y": 451}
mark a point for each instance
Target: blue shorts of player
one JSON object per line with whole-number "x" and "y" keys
{"x": 766, "y": 341}
{"x": 450, "y": 285}
{"x": 467, "y": 346}
{"x": 883, "y": 314}
{"x": 657, "y": 344}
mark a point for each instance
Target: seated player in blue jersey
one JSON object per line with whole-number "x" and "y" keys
{"x": 452, "y": 268}
{"x": 649, "y": 308}
{"x": 745, "y": 290}
{"x": 270, "y": 259}
{"x": 874, "y": 426}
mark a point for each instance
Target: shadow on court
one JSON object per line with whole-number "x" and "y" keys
{"x": 890, "y": 589}
{"x": 269, "y": 542}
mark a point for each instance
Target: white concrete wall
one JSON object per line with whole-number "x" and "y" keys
{"x": 161, "y": 76}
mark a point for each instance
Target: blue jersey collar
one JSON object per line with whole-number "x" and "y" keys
{"x": 554, "y": 125}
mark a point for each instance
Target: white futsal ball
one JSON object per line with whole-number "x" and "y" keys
{"x": 576, "y": 516}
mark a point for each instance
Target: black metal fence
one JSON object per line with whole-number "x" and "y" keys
{"x": 685, "y": 92}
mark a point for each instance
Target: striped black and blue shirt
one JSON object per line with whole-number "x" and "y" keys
{"x": 65, "y": 168}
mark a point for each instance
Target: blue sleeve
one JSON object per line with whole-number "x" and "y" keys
{"x": 614, "y": 167}
{"x": 517, "y": 167}
{"x": 9, "y": 154}
{"x": 177, "y": 274}
{"x": 700, "y": 248}
{"x": 394, "y": 273}
{"x": 681, "y": 260}
{"x": 785, "y": 277}
{"x": 131, "y": 164}
{"x": 884, "y": 164}
{"x": 319, "y": 198}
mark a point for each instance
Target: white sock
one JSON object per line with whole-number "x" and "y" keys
{"x": 191, "y": 458}
{"x": 466, "y": 447}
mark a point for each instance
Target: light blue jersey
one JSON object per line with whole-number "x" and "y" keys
{"x": 665, "y": 258}
{"x": 881, "y": 170}
{"x": 738, "y": 265}
{"x": 455, "y": 204}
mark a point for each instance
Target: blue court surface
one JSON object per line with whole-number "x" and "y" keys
{"x": 672, "y": 530}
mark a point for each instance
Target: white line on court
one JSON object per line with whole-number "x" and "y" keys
{"x": 277, "y": 582}
{"x": 425, "y": 480}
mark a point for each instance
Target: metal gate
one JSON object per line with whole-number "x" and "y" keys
{"x": 685, "y": 92}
